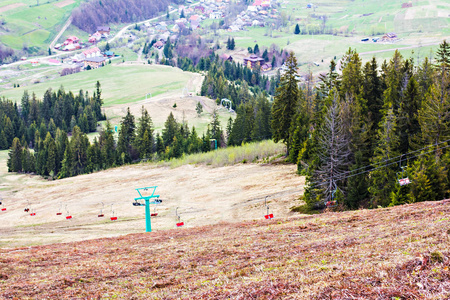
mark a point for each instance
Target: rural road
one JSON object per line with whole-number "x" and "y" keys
{"x": 122, "y": 31}
{"x": 69, "y": 21}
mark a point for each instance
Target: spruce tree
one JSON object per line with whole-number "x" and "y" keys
{"x": 297, "y": 29}
{"x": 15, "y": 156}
{"x": 332, "y": 149}
{"x": 443, "y": 56}
{"x": 383, "y": 177}
{"x": 169, "y": 131}
{"x": 285, "y": 104}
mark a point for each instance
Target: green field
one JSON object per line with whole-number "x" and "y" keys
{"x": 422, "y": 26}
{"x": 33, "y": 25}
{"x": 120, "y": 84}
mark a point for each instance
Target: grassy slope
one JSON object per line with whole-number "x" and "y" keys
{"x": 422, "y": 23}
{"x": 120, "y": 84}
{"x": 366, "y": 254}
{"x": 34, "y": 25}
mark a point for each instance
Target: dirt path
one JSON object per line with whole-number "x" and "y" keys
{"x": 203, "y": 195}
{"x": 52, "y": 44}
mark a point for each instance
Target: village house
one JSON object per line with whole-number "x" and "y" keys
{"x": 266, "y": 67}
{"x": 94, "y": 62}
{"x": 158, "y": 45}
{"x": 226, "y": 57}
{"x": 108, "y": 54}
{"x": 71, "y": 40}
{"x": 104, "y": 30}
{"x": 253, "y": 61}
{"x": 95, "y": 38}
{"x": 93, "y": 52}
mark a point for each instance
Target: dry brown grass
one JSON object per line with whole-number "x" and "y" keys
{"x": 392, "y": 253}
{"x": 64, "y": 3}
{"x": 10, "y": 6}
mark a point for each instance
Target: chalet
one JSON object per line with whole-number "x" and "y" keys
{"x": 95, "y": 38}
{"x": 71, "y": 40}
{"x": 108, "y": 54}
{"x": 93, "y": 52}
{"x": 94, "y": 62}
{"x": 266, "y": 67}
{"x": 253, "y": 61}
{"x": 226, "y": 57}
{"x": 103, "y": 30}
{"x": 158, "y": 45}
{"x": 72, "y": 47}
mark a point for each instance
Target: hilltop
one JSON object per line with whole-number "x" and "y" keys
{"x": 392, "y": 253}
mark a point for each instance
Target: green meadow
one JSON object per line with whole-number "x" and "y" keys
{"x": 33, "y": 25}
{"x": 120, "y": 83}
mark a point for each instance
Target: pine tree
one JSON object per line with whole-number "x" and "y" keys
{"x": 78, "y": 144}
{"x": 182, "y": 14}
{"x": 434, "y": 116}
{"x": 297, "y": 29}
{"x": 216, "y": 129}
{"x": 256, "y": 49}
{"x": 145, "y": 124}
{"x": 199, "y": 108}
{"x": 229, "y": 43}
{"x": 170, "y": 130}
{"x": 50, "y": 148}
{"x": 383, "y": 176}
{"x": 358, "y": 185}
{"x": 15, "y": 156}
{"x": 232, "y": 44}
{"x": 107, "y": 146}
{"x": 443, "y": 56}
{"x": 408, "y": 124}
{"x": 332, "y": 149}
{"x": 66, "y": 165}
{"x": 160, "y": 148}
{"x": 285, "y": 104}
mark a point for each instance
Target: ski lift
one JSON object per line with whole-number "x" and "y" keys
{"x": 32, "y": 213}
{"x": 3, "y": 207}
{"x": 59, "y": 213}
{"x": 113, "y": 217}
{"x": 332, "y": 203}
{"x": 267, "y": 216}
{"x": 154, "y": 214}
{"x": 179, "y": 224}
{"x": 101, "y": 214}
{"x": 402, "y": 176}
{"x": 27, "y": 208}
{"x": 68, "y": 216}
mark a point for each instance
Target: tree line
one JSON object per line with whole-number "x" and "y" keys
{"x": 31, "y": 121}
{"x": 369, "y": 136}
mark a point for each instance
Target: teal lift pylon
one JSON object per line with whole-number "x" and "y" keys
{"x": 148, "y": 223}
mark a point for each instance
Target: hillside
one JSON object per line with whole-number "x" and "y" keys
{"x": 393, "y": 253}
{"x": 31, "y": 25}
